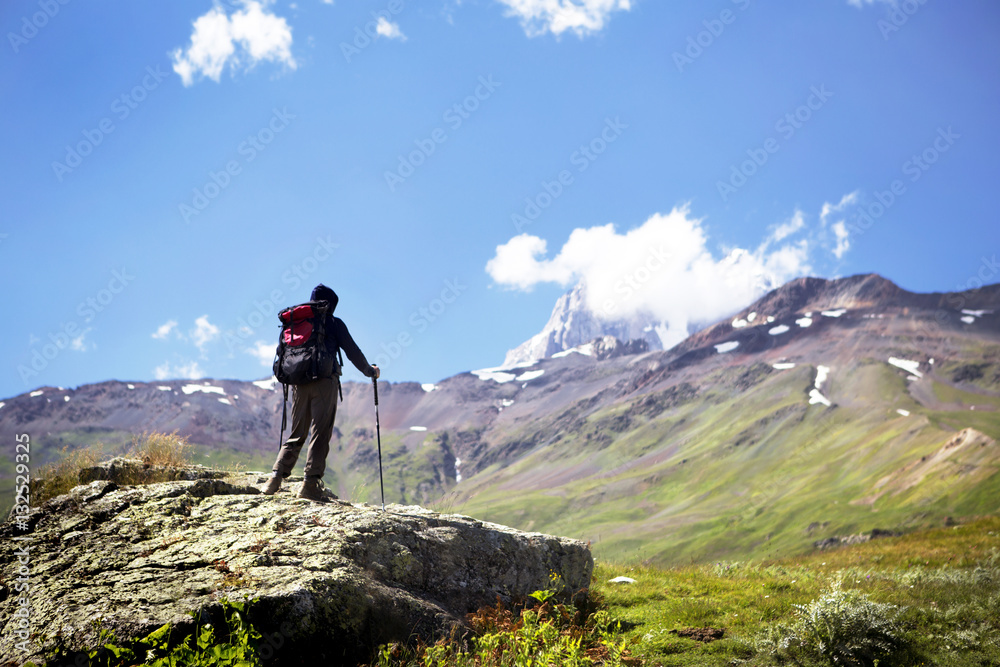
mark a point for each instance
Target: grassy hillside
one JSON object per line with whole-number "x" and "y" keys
{"x": 944, "y": 583}
{"x": 747, "y": 468}
{"x": 928, "y": 598}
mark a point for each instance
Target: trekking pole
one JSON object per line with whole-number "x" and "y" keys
{"x": 378, "y": 434}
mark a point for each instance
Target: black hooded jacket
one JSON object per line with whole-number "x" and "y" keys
{"x": 338, "y": 335}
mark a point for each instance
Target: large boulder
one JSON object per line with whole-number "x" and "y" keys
{"x": 332, "y": 580}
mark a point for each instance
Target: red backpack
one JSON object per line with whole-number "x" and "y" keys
{"x": 302, "y": 355}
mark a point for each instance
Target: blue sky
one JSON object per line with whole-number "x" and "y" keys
{"x": 173, "y": 173}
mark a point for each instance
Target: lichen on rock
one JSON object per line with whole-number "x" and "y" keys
{"x": 331, "y": 580}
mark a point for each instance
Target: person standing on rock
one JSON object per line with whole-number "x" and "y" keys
{"x": 314, "y": 407}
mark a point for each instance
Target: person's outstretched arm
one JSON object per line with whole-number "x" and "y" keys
{"x": 352, "y": 350}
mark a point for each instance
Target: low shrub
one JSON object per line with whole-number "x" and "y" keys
{"x": 546, "y": 634}
{"x": 838, "y": 628}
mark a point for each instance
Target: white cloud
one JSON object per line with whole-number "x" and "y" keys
{"x": 389, "y": 30}
{"x": 843, "y": 243}
{"x": 189, "y": 371}
{"x": 79, "y": 343}
{"x": 789, "y": 227}
{"x": 861, "y": 3}
{"x": 849, "y": 199}
{"x": 557, "y": 16}
{"x": 839, "y": 228}
{"x": 164, "y": 330}
{"x": 204, "y": 332}
{"x": 248, "y": 36}
{"x": 663, "y": 268}
{"x": 263, "y": 351}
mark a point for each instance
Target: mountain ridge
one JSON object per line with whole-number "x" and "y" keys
{"x": 571, "y": 323}
{"x": 568, "y": 443}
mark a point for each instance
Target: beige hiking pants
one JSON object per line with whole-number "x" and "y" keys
{"x": 313, "y": 405}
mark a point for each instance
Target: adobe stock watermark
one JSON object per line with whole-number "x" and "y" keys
{"x": 121, "y": 108}
{"x": 704, "y": 39}
{"x": 454, "y": 116}
{"x": 581, "y": 158}
{"x": 898, "y": 14}
{"x": 20, "y": 621}
{"x": 420, "y": 320}
{"x": 248, "y": 149}
{"x": 265, "y": 311}
{"x": 786, "y": 127}
{"x": 22, "y": 483}
{"x": 70, "y": 334}
{"x": 366, "y": 37}
{"x": 915, "y": 167}
{"x": 37, "y": 21}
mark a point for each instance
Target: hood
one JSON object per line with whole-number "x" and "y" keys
{"x": 323, "y": 293}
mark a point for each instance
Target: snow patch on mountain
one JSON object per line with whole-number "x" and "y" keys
{"x": 586, "y": 350}
{"x": 907, "y": 365}
{"x": 821, "y": 374}
{"x": 498, "y": 374}
{"x": 269, "y": 385}
{"x": 208, "y": 389}
{"x": 815, "y": 396}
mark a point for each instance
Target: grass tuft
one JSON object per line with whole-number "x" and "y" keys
{"x": 56, "y": 478}
{"x": 160, "y": 449}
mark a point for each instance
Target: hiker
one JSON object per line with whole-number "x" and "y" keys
{"x": 314, "y": 405}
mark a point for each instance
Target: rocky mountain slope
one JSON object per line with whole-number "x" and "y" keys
{"x": 810, "y": 414}
{"x": 572, "y": 324}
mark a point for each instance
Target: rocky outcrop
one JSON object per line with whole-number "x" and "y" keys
{"x": 331, "y": 580}
{"x": 847, "y": 540}
{"x": 609, "y": 347}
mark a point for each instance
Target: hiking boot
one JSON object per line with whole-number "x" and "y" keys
{"x": 312, "y": 489}
{"x": 272, "y": 486}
